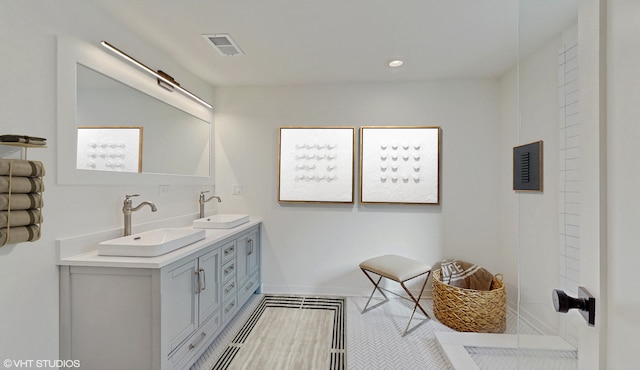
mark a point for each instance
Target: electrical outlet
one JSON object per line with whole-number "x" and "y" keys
{"x": 164, "y": 189}
{"x": 236, "y": 189}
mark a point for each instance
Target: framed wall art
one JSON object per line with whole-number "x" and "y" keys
{"x": 316, "y": 164}
{"x": 400, "y": 164}
{"x": 527, "y": 167}
{"x": 110, "y": 148}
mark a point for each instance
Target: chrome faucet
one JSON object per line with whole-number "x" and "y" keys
{"x": 128, "y": 209}
{"x": 202, "y": 201}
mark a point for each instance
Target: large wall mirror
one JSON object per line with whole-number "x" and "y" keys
{"x": 170, "y": 141}
{"x": 117, "y": 127}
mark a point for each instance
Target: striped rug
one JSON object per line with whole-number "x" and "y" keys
{"x": 289, "y": 332}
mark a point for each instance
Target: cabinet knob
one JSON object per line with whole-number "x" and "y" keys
{"x": 229, "y": 307}
{"x": 228, "y": 270}
{"x": 203, "y": 279}
{"x": 196, "y": 275}
{"x": 200, "y": 338}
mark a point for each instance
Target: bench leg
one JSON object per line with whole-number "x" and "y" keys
{"x": 375, "y": 287}
{"x": 416, "y": 301}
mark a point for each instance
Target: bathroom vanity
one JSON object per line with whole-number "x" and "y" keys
{"x": 155, "y": 312}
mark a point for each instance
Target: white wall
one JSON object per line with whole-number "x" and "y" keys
{"x": 623, "y": 177}
{"x": 538, "y": 215}
{"x": 317, "y": 248}
{"x": 28, "y": 271}
{"x": 529, "y": 220}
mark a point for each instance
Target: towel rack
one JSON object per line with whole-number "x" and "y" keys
{"x": 23, "y": 146}
{"x": 33, "y": 234}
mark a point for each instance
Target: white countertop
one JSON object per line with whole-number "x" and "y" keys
{"x": 91, "y": 257}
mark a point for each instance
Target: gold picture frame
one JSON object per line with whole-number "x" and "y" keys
{"x": 400, "y": 164}
{"x": 316, "y": 164}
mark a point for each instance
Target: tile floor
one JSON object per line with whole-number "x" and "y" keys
{"x": 374, "y": 340}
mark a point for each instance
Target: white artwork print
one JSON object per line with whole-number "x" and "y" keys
{"x": 400, "y": 165}
{"x": 316, "y": 164}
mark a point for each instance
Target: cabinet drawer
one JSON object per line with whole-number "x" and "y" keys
{"x": 245, "y": 291}
{"x": 228, "y": 270}
{"x": 196, "y": 341}
{"x": 228, "y": 251}
{"x": 229, "y": 290}
{"x": 229, "y": 309}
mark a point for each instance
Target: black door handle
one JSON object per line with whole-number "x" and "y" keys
{"x": 585, "y": 302}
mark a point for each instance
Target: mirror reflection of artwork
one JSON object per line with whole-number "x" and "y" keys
{"x": 109, "y": 148}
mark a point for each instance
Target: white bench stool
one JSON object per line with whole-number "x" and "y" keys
{"x": 399, "y": 269}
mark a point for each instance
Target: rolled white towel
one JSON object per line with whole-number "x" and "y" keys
{"x": 21, "y": 185}
{"x": 21, "y": 167}
{"x": 20, "y": 218}
{"x": 19, "y": 234}
{"x": 21, "y": 201}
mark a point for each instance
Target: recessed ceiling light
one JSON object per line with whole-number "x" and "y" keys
{"x": 395, "y": 63}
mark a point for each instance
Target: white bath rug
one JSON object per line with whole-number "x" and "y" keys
{"x": 286, "y": 332}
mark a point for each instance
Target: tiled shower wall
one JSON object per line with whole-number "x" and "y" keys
{"x": 569, "y": 177}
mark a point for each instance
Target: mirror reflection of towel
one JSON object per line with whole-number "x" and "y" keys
{"x": 19, "y": 234}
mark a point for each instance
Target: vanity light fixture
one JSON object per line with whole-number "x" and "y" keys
{"x": 395, "y": 63}
{"x": 164, "y": 80}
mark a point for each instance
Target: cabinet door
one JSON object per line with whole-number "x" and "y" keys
{"x": 248, "y": 256}
{"x": 242, "y": 274}
{"x": 182, "y": 306}
{"x": 253, "y": 257}
{"x": 208, "y": 284}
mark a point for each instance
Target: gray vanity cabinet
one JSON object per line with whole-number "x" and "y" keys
{"x": 159, "y": 313}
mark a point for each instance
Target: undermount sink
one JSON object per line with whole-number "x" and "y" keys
{"x": 221, "y": 221}
{"x": 150, "y": 243}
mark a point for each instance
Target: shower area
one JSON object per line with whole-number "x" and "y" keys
{"x": 550, "y": 234}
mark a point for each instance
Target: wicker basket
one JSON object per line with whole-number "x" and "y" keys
{"x": 469, "y": 310}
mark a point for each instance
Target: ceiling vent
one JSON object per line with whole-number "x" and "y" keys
{"x": 224, "y": 44}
